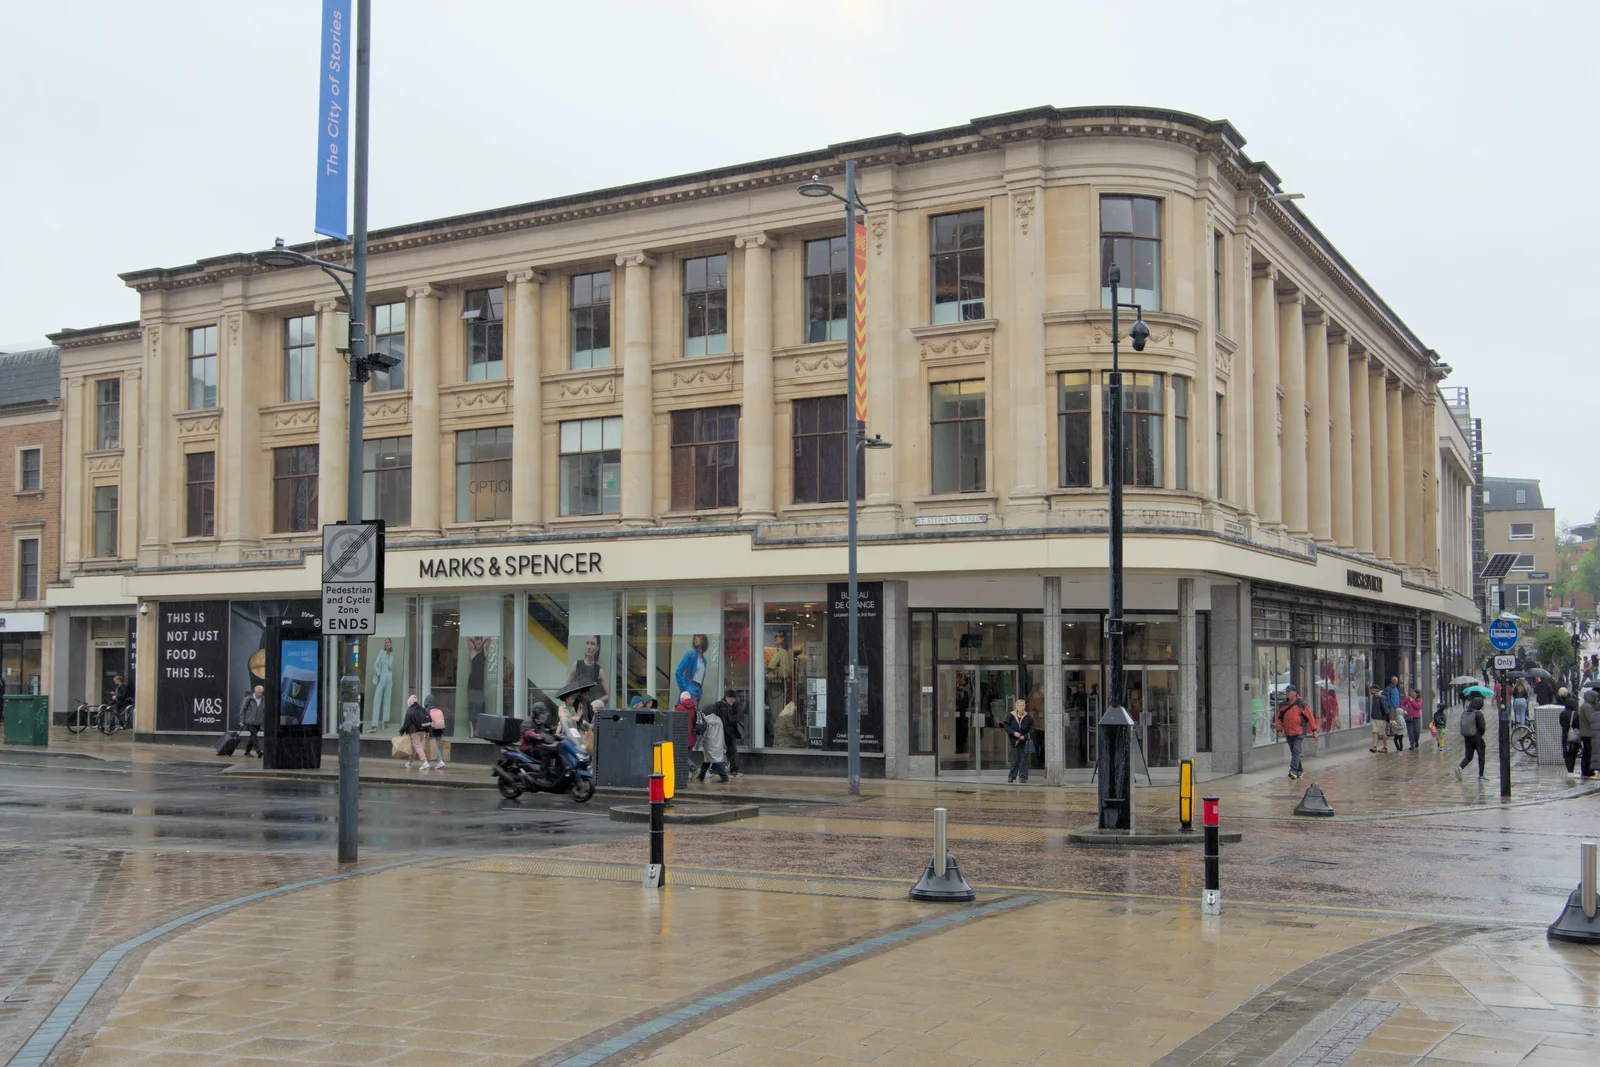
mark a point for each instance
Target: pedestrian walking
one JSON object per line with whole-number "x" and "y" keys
{"x": 1588, "y": 721}
{"x": 1544, "y": 691}
{"x": 732, "y": 729}
{"x": 1440, "y": 723}
{"x": 1018, "y": 726}
{"x": 1294, "y": 722}
{"x": 1412, "y": 707}
{"x": 1378, "y": 719}
{"x": 1519, "y": 701}
{"x": 414, "y": 724}
{"x": 713, "y": 742}
{"x": 1472, "y": 736}
{"x": 250, "y": 719}
{"x": 435, "y": 730}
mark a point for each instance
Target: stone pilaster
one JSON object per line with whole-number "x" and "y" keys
{"x": 1342, "y": 486}
{"x": 236, "y": 437}
{"x": 1319, "y": 442}
{"x": 160, "y": 343}
{"x": 1188, "y": 674}
{"x": 884, "y": 371}
{"x": 1397, "y": 476}
{"x": 74, "y": 478}
{"x": 333, "y": 413}
{"x": 638, "y": 415}
{"x": 1264, "y": 360}
{"x": 1360, "y": 454}
{"x": 1379, "y": 404}
{"x": 1415, "y": 487}
{"x": 423, "y": 342}
{"x": 1026, "y": 328}
{"x": 1292, "y": 367}
{"x": 756, "y": 474}
{"x": 1055, "y": 723}
{"x": 527, "y": 433}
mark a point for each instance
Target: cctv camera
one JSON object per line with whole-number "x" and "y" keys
{"x": 1140, "y": 333}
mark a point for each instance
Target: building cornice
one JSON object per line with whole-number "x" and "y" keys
{"x": 113, "y": 333}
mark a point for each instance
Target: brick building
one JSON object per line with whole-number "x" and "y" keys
{"x": 30, "y": 440}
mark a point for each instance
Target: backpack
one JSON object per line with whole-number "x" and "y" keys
{"x": 1469, "y": 723}
{"x": 436, "y": 718}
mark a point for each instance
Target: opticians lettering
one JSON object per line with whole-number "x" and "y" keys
{"x": 511, "y": 566}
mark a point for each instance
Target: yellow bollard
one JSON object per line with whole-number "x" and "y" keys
{"x": 1186, "y": 795}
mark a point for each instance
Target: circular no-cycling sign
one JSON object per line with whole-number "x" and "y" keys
{"x": 350, "y": 553}
{"x": 1503, "y": 634}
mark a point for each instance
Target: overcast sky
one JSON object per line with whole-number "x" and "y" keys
{"x": 1446, "y": 148}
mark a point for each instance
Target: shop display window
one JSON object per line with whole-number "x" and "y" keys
{"x": 794, "y": 667}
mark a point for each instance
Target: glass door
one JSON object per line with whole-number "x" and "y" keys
{"x": 1084, "y": 706}
{"x": 1160, "y": 718}
{"x": 997, "y": 690}
{"x": 958, "y": 707}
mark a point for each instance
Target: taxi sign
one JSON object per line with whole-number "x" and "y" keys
{"x": 1503, "y": 634}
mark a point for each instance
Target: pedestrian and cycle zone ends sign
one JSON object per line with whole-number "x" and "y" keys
{"x": 350, "y": 566}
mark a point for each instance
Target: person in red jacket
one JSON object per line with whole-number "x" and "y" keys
{"x": 1294, "y": 722}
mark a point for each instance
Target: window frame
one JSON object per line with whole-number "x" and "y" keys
{"x": 706, "y": 313}
{"x": 964, "y": 308}
{"x": 962, "y": 444}
{"x": 1220, "y": 413}
{"x": 299, "y": 359}
{"x": 487, "y": 314}
{"x": 301, "y": 486}
{"x": 1085, "y": 463}
{"x": 838, "y": 289}
{"x": 813, "y": 448}
{"x": 206, "y": 362}
{"x": 201, "y": 491}
{"x": 495, "y": 468}
{"x": 1524, "y": 596}
{"x": 591, "y": 315}
{"x": 103, "y": 537}
{"x": 575, "y": 466}
{"x": 102, "y": 438}
{"x": 390, "y": 341}
{"x": 1133, "y": 419}
{"x": 1218, "y": 275}
{"x": 1148, "y": 299}
{"x": 1181, "y": 388}
{"x": 37, "y": 470}
{"x": 391, "y": 504}
{"x": 1518, "y": 565}
{"x": 1512, "y": 534}
{"x": 24, "y": 567}
{"x": 1522, "y": 496}
{"x": 699, "y": 461}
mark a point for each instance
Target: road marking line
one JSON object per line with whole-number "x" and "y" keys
{"x": 646, "y": 1030}
{"x": 72, "y": 788}
{"x": 61, "y": 1019}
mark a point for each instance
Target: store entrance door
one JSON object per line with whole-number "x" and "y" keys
{"x": 973, "y": 702}
{"x": 1153, "y": 703}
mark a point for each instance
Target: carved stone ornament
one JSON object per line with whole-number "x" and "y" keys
{"x": 968, "y": 344}
{"x": 1224, "y": 362}
{"x": 878, "y": 226}
{"x": 105, "y": 464}
{"x": 703, "y": 376}
{"x": 155, "y": 342}
{"x": 298, "y": 418}
{"x": 198, "y": 423}
{"x": 233, "y": 330}
{"x": 478, "y": 399}
{"x": 395, "y": 408}
{"x": 1022, "y": 205}
{"x": 1102, "y": 334}
{"x": 606, "y": 386}
{"x": 823, "y": 364}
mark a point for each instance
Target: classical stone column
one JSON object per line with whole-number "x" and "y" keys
{"x": 1379, "y": 404}
{"x": 1319, "y": 444}
{"x": 756, "y": 416}
{"x": 1397, "y": 477}
{"x": 1292, "y": 364}
{"x": 1342, "y": 486}
{"x": 162, "y": 378}
{"x": 637, "y": 414}
{"x": 238, "y": 436}
{"x": 333, "y": 413}
{"x": 1430, "y": 478}
{"x": 424, "y": 372}
{"x": 1414, "y": 484}
{"x": 1055, "y": 724}
{"x": 1188, "y": 693}
{"x": 527, "y": 433}
{"x": 128, "y": 495}
{"x": 1361, "y": 454}
{"x": 1028, "y": 394}
{"x": 1264, "y": 358}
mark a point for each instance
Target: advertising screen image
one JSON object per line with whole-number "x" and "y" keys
{"x": 297, "y": 684}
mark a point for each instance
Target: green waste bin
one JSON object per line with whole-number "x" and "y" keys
{"x": 27, "y": 720}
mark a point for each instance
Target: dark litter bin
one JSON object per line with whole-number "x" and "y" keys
{"x": 27, "y": 720}
{"x": 625, "y": 745}
{"x": 501, "y": 729}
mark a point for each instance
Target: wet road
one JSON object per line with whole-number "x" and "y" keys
{"x": 46, "y": 800}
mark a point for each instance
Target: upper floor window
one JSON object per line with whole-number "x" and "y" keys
{"x": 28, "y": 569}
{"x": 200, "y": 491}
{"x": 389, "y": 338}
{"x": 105, "y": 521}
{"x": 1180, "y": 432}
{"x": 957, "y": 266}
{"x": 819, "y": 449}
{"x": 1524, "y": 562}
{"x": 202, "y": 368}
{"x": 30, "y": 475}
{"x": 484, "y": 315}
{"x": 1073, "y": 426}
{"x": 1222, "y": 447}
{"x": 299, "y": 358}
{"x": 108, "y": 413}
{"x": 959, "y": 439}
{"x": 827, "y": 289}
{"x": 1522, "y": 531}
{"x": 386, "y": 480}
{"x": 1522, "y": 496}
{"x": 483, "y": 474}
{"x": 1486, "y": 499}
{"x": 1216, "y": 276}
{"x": 1130, "y": 237}
{"x": 705, "y": 459}
{"x": 591, "y": 466}
{"x": 591, "y": 320}
{"x": 705, "y": 306}
{"x": 1141, "y": 430}
{"x": 294, "y": 489}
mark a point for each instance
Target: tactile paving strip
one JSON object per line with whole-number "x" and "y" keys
{"x": 688, "y": 876}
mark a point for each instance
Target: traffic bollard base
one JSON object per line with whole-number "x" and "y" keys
{"x": 1574, "y": 925}
{"x": 655, "y": 875}
{"x": 1211, "y": 902}
{"x": 1314, "y": 803}
{"x": 948, "y": 888}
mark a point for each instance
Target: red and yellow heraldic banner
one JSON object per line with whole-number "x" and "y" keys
{"x": 859, "y": 357}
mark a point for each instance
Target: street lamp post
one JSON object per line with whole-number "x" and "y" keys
{"x": 1138, "y": 335}
{"x": 855, "y": 441}
{"x": 355, "y": 297}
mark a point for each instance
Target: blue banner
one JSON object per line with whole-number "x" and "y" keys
{"x": 333, "y": 121}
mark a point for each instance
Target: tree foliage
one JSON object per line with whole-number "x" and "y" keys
{"x": 1552, "y": 646}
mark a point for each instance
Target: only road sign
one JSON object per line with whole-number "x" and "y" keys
{"x": 1503, "y": 634}
{"x": 1505, "y": 663}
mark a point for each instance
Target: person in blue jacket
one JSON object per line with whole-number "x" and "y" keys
{"x": 691, "y": 672}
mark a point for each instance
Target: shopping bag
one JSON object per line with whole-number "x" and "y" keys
{"x": 400, "y": 746}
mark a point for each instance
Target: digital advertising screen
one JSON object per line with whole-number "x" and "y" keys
{"x": 297, "y": 683}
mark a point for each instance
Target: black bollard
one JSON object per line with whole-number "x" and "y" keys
{"x": 1211, "y": 902}
{"x": 655, "y": 875}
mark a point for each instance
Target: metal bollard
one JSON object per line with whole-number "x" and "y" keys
{"x": 941, "y": 840}
{"x": 655, "y": 875}
{"x": 942, "y": 881}
{"x": 1588, "y": 877}
{"x": 1211, "y": 901}
{"x": 1186, "y": 796}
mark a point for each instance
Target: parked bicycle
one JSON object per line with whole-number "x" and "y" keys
{"x": 1524, "y": 740}
{"x": 107, "y": 718}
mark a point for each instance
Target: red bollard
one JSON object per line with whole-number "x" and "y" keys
{"x": 1211, "y": 902}
{"x": 655, "y": 875}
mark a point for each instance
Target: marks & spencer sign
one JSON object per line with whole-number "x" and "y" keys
{"x": 512, "y": 565}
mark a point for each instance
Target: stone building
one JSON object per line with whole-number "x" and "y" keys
{"x": 615, "y": 445}
{"x": 30, "y": 441}
{"x": 1516, "y": 520}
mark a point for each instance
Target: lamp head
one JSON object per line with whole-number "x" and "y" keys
{"x": 279, "y": 256}
{"x": 876, "y": 441}
{"x": 1140, "y": 333}
{"x": 1113, "y": 275}
{"x": 816, "y": 187}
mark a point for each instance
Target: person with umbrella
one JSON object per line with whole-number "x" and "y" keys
{"x": 1544, "y": 689}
